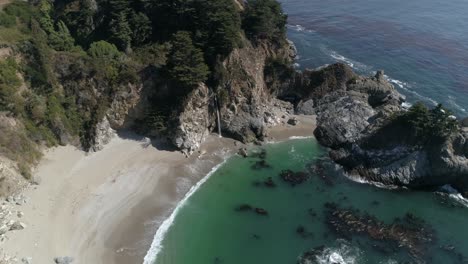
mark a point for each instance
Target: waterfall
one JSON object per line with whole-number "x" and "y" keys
{"x": 218, "y": 117}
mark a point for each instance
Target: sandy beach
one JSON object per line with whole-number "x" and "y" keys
{"x": 105, "y": 207}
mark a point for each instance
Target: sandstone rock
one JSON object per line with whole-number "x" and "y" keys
{"x": 104, "y": 133}
{"x": 17, "y": 225}
{"x": 63, "y": 260}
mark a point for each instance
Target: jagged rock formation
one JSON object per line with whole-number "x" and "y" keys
{"x": 252, "y": 106}
{"x": 247, "y": 108}
{"x": 193, "y": 124}
{"x": 354, "y": 119}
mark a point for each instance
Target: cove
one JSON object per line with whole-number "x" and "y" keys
{"x": 219, "y": 224}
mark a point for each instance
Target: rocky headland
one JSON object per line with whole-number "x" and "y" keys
{"x": 369, "y": 132}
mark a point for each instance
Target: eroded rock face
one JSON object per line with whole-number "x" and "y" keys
{"x": 194, "y": 122}
{"x": 341, "y": 119}
{"x": 103, "y": 135}
{"x": 251, "y": 107}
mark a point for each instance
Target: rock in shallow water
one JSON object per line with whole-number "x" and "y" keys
{"x": 410, "y": 233}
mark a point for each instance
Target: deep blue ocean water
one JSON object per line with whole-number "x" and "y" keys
{"x": 422, "y": 45}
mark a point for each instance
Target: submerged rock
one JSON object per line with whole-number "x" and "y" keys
{"x": 244, "y": 208}
{"x": 294, "y": 178}
{"x": 261, "y": 211}
{"x": 409, "y": 233}
{"x": 261, "y": 164}
{"x": 269, "y": 182}
{"x": 302, "y": 231}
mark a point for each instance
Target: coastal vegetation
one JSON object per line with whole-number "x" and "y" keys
{"x": 429, "y": 124}
{"x": 67, "y": 59}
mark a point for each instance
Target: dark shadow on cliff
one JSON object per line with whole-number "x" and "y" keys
{"x": 158, "y": 143}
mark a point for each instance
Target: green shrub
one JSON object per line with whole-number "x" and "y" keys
{"x": 20, "y": 9}
{"x": 25, "y": 170}
{"x": 61, "y": 39}
{"x": 7, "y": 20}
{"x": 9, "y": 83}
{"x": 154, "y": 54}
{"x": 437, "y": 123}
{"x": 103, "y": 50}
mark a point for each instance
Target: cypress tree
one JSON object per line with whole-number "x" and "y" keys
{"x": 186, "y": 65}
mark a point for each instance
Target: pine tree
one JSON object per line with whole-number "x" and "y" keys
{"x": 120, "y": 31}
{"x": 186, "y": 65}
{"x": 264, "y": 19}
{"x": 141, "y": 28}
{"x": 61, "y": 39}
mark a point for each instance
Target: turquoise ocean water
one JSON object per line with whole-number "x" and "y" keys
{"x": 209, "y": 228}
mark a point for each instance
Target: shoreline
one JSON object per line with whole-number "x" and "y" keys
{"x": 106, "y": 207}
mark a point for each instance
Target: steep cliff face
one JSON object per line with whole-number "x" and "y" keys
{"x": 246, "y": 106}
{"x": 195, "y": 121}
{"x": 251, "y": 105}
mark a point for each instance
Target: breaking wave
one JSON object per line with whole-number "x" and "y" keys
{"x": 299, "y": 28}
{"x": 343, "y": 254}
{"x": 156, "y": 245}
{"x": 356, "y": 65}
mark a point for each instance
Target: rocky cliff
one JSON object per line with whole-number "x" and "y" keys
{"x": 245, "y": 103}
{"x": 357, "y": 119}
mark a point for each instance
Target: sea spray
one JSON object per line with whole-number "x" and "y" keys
{"x": 156, "y": 245}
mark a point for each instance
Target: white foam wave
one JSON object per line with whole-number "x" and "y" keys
{"x": 300, "y": 137}
{"x": 452, "y": 102}
{"x": 299, "y": 28}
{"x": 365, "y": 68}
{"x": 344, "y": 254}
{"x": 453, "y": 194}
{"x": 407, "y": 87}
{"x": 406, "y": 105}
{"x": 156, "y": 245}
{"x": 351, "y": 63}
{"x": 459, "y": 198}
{"x": 361, "y": 180}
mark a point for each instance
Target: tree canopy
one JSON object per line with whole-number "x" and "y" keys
{"x": 185, "y": 63}
{"x": 264, "y": 19}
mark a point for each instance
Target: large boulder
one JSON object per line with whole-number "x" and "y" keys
{"x": 341, "y": 119}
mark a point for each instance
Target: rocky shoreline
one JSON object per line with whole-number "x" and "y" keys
{"x": 359, "y": 119}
